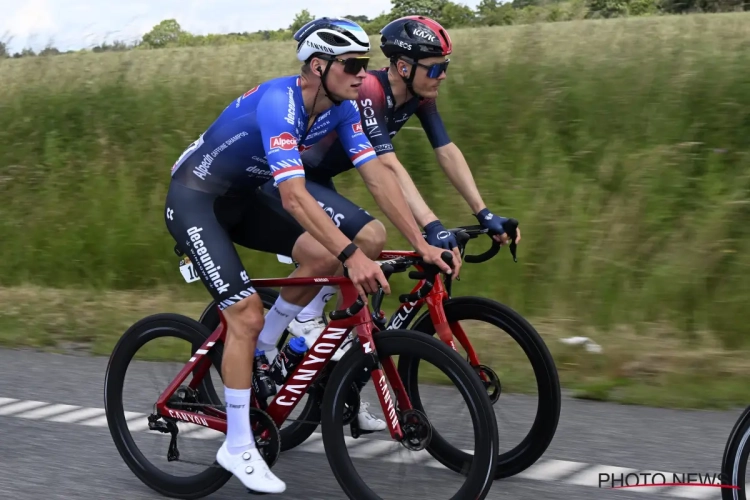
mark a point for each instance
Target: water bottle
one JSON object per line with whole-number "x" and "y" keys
{"x": 287, "y": 360}
{"x": 262, "y": 384}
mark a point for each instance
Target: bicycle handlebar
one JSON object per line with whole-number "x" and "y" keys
{"x": 429, "y": 274}
{"x": 390, "y": 267}
{"x": 431, "y": 271}
{"x": 466, "y": 233}
{"x": 353, "y": 309}
{"x": 510, "y": 226}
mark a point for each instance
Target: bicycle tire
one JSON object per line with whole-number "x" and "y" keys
{"x": 735, "y": 458}
{"x": 478, "y": 468}
{"x": 542, "y": 432}
{"x": 190, "y": 487}
{"x": 296, "y": 432}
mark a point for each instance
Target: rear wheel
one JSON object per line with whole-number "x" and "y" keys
{"x": 297, "y": 429}
{"x": 124, "y": 426}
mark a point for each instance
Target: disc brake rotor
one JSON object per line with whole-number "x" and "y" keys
{"x": 491, "y": 382}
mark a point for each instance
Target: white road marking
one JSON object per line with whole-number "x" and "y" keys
{"x": 20, "y": 406}
{"x": 564, "y": 471}
{"x": 550, "y": 470}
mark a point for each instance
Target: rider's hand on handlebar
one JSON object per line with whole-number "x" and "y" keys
{"x": 432, "y": 255}
{"x": 494, "y": 224}
{"x": 503, "y": 238}
{"x": 366, "y": 274}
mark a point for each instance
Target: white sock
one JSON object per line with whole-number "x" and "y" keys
{"x": 269, "y": 350}
{"x": 278, "y": 318}
{"x": 315, "y": 308}
{"x": 239, "y": 434}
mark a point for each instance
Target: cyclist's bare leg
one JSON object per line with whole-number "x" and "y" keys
{"x": 371, "y": 239}
{"x": 314, "y": 260}
{"x": 244, "y": 323}
{"x": 238, "y": 454}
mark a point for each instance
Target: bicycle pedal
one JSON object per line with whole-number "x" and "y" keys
{"x": 253, "y": 492}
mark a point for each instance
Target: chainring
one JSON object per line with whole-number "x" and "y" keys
{"x": 417, "y": 430}
{"x": 266, "y": 434}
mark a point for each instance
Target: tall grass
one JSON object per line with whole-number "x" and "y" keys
{"x": 621, "y": 146}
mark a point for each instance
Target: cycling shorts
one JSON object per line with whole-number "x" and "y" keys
{"x": 346, "y": 215}
{"x": 205, "y": 227}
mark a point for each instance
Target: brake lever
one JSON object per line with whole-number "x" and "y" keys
{"x": 511, "y": 227}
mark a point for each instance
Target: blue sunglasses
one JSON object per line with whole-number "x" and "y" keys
{"x": 433, "y": 70}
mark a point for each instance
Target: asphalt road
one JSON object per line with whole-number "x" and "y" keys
{"x": 51, "y": 452}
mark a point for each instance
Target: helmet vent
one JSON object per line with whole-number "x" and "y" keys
{"x": 332, "y": 39}
{"x": 445, "y": 37}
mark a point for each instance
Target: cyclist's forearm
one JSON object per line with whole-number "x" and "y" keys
{"x": 417, "y": 205}
{"x": 454, "y": 165}
{"x": 385, "y": 189}
{"x": 303, "y": 207}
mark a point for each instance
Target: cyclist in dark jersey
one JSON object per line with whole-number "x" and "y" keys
{"x": 213, "y": 201}
{"x": 417, "y": 48}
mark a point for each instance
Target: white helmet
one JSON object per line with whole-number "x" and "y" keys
{"x": 331, "y": 36}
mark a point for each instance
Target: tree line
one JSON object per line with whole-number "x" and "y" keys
{"x": 169, "y": 33}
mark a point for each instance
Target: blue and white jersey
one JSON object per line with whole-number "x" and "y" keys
{"x": 260, "y": 136}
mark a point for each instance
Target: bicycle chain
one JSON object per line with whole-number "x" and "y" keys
{"x": 222, "y": 407}
{"x": 173, "y": 443}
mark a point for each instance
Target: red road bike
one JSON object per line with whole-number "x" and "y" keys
{"x": 191, "y": 398}
{"x": 443, "y": 317}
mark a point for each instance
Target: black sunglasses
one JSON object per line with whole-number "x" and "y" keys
{"x": 353, "y": 65}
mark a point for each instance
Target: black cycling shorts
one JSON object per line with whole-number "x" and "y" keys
{"x": 206, "y": 226}
{"x": 348, "y": 216}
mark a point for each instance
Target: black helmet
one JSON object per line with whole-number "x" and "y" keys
{"x": 415, "y": 37}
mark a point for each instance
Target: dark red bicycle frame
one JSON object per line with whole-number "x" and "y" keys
{"x": 306, "y": 371}
{"x": 434, "y": 300}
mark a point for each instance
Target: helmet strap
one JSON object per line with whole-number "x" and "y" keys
{"x": 409, "y": 81}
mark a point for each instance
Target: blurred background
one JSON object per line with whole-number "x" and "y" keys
{"x": 615, "y": 131}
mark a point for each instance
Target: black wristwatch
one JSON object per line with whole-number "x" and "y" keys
{"x": 347, "y": 252}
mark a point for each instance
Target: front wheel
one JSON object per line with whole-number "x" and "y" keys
{"x": 412, "y": 458}
{"x": 734, "y": 461}
{"x": 498, "y": 316}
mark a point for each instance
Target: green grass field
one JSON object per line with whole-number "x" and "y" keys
{"x": 620, "y": 145}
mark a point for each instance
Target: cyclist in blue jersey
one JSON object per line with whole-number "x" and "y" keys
{"x": 417, "y": 48}
{"x": 213, "y": 202}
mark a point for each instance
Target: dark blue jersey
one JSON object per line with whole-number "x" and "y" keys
{"x": 380, "y": 122}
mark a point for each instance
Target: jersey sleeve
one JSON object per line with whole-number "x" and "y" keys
{"x": 355, "y": 142}
{"x": 372, "y": 109}
{"x": 276, "y": 117}
{"x": 432, "y": 123}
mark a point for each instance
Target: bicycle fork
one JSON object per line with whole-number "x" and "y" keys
{"x": 385, "y": 377}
